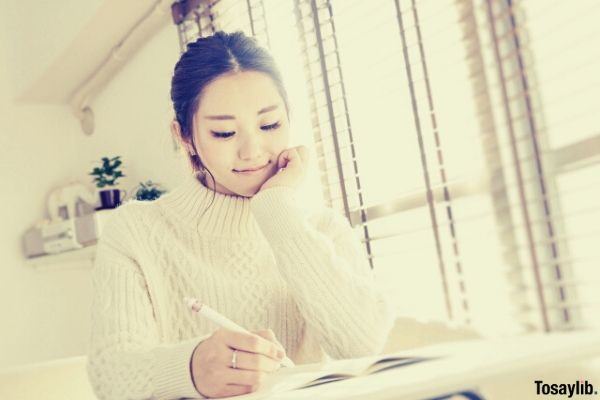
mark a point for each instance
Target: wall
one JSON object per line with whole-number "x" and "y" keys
{"x": 46, "y": 314}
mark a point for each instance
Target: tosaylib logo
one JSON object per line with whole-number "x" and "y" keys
{"x": 568, "y": 389}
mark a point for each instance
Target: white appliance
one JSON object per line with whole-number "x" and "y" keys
{"x": 65, "y": 235}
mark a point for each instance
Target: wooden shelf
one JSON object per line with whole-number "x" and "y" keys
{"x": 73, "y": 259}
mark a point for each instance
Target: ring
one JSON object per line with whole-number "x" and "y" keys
{"x": 234, "y": 359}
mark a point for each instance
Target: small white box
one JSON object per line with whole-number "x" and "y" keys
{"x": 65, "y": 235}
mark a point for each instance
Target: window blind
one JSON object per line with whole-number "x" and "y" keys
{"x": 560, "y": 52}
{"x": 407, "y": 94}
{"x": 454, "y": 155}
{"x": 538, "y": 246}
{"x": 193, "y": 19}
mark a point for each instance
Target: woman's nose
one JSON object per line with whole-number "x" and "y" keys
{"x": 250, "y": 148}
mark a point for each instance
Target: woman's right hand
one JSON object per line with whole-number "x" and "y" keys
{"x": 258, "y": 354}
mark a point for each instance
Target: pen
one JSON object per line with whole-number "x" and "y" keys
{"x": 202, "y": 309}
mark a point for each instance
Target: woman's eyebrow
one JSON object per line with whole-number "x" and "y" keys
{"x": 222, "y": 117}
{"x": 267, "y": 109}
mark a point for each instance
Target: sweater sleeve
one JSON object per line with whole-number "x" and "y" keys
{"x": 328, "y": 274}
{"x": 126, "y": 359}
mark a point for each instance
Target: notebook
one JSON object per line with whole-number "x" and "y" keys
{"x": 309, "y": 375}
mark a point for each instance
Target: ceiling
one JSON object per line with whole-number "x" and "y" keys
{"x": 55, "y": 47}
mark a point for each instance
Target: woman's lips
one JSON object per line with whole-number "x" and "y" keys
{"x": 252, "y": 171}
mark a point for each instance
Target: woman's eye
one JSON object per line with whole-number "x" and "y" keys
{"x": 270, "y": 127}
{"x": 222, "y": 134}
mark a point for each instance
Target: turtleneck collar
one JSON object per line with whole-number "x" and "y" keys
{"x": 224, "y": 216}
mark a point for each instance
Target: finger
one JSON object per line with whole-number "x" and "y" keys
{"x": 255, "y": 362}
{"x": 269, "y": 335}
{"x": 292, "y": 157}
{"x": 251, "y": 343}
{"x": 244, "y": 377}
{"x": 283, "y": 159}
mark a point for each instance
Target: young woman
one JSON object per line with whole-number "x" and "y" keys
{"x": 234, "y": 236}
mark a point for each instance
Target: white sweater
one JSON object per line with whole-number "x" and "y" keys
{"x": 263, "y": 262}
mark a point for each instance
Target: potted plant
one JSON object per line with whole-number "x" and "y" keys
{"x": 148, "y": 191}
{"x": 106, "y": 176}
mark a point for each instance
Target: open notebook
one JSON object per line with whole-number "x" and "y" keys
{"x": 305, "y": 376}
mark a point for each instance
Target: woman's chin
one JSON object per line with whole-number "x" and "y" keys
{"x": 252, "y": 192}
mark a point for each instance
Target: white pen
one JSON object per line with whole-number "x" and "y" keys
{"x": 202, "y": 309}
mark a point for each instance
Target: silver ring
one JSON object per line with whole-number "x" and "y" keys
{"x": 234, "y": 359}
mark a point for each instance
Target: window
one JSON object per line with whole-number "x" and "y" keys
{"x": 564, "y": 53}
{"x": 446, "y": 170}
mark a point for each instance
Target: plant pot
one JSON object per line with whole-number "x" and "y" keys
{"x": 111, "y": 198}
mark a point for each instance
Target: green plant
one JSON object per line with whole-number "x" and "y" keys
{"x": 148, "y": 191}
{"x": 108, "y": 173}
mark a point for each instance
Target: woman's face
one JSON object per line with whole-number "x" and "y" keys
{"x": 241, "y": 124}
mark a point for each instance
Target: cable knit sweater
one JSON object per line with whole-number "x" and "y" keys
{"x": 264, "y": 262}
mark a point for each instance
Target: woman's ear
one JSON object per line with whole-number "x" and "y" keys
{"x": 176, "y": 132}
{"x": 176, "y": 129}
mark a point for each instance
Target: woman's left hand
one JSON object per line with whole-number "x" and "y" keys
{"x": 291, "y": 168}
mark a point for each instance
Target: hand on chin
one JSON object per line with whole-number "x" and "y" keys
{"x": 291, "y": 168}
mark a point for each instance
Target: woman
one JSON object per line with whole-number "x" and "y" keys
{"x": 234, "y": 236}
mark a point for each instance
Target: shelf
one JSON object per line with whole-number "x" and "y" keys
{"x": 73, "y": 259}
{"x": 78, "y": 258}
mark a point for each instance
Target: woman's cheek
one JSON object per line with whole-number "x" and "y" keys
{"x": 283, "y": 138}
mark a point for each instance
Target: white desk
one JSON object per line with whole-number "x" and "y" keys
{"x": 501, "y": 369}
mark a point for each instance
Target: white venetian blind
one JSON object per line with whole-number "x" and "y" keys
{"x": 560, "y": 46}
{"x": 412, "y": 158}
{"x": 523, "y": 113}
{"x": 193, "y": 20}
{"x": 436, "y": 140}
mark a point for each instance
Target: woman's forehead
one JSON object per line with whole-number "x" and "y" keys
{"x": 240, "y": 92}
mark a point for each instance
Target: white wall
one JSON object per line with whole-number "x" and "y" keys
{"x": 45, "y": 315}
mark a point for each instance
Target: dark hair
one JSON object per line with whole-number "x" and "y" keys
{"x": 207, "y": 59}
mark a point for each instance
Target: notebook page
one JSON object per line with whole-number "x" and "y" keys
{"x": 308, "y": 375}
{"x": 387, "y": 363}
{"x": 286, "y": 379}
{"x": 304, "y": 376}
